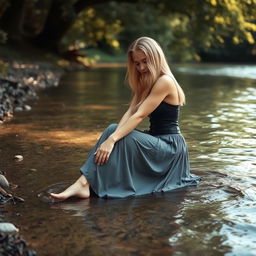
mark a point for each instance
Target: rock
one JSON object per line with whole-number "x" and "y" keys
{"x": 9, "y": 228}
{"x": 18, "y": 109}
{"x": 18, "y": 158}
{"x": 27, "y": 108}
{"x": 4, "y": 182}
{"x": 21, "y": 82}
{"x": 1, "y": 171}
{"x": 12, "y": 244}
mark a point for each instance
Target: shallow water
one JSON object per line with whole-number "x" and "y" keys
{"x": 215, "y": 218}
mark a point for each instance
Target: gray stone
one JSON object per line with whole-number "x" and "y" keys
{"x": 4, "y": 182}
{"x": 27, "y": 108}
{"x": 18, "y": 109}
{"x": 18, "y": 157}
{"x": 9, "y": 228}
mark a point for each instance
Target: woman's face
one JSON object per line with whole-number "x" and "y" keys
{"x": 140, "y": 61}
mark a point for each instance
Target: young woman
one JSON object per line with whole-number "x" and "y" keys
{"x": 128, "y": 162}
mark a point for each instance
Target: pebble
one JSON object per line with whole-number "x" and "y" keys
{"x": 18, "y": 158}
{"x": 18, "y": 109}
{"x": 27, "y": 108}
{"x": 9, "y": 228}
{"x": 4, "y": 182}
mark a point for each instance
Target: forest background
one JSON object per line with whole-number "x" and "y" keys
{"x": 100, "y": 30}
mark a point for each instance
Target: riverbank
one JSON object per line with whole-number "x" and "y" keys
{"x": 23, "y": 73}
{"x": 21, "y": 82}
{"x": 26, "y": 69}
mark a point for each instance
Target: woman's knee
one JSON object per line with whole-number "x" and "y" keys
{"x": 111, "y": 128}
{"x": 132, "y": 136}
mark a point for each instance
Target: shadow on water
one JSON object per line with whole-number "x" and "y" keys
{"x": 214, "y": 218}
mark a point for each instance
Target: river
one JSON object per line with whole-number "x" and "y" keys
{"x": 215, "y": 218}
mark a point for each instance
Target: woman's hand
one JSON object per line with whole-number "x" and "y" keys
{"x": 103, "y": 151}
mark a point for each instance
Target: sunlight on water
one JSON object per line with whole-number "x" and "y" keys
{"x": 240, "y": 71}
{"x": 229, "y": 148}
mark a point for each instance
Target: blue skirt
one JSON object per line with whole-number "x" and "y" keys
{"x": 140, "y": 164}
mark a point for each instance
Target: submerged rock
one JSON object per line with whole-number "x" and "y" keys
{"x": 13, "y": 245}
{"x": 27, "y": 108}
{"x": 18, "y": 157}
{"x": 18, "y": 109}
{"x": 5, "y": 188}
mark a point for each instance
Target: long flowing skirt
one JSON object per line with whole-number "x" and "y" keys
{"x": 140, "y": 164}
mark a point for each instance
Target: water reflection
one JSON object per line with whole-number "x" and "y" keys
{"x": 77, "y": 208}
{"x": 239, "y": 71}
{"x": 215, "y": 218}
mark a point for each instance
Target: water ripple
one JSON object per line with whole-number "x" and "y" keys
{"x": 241, "y": 71}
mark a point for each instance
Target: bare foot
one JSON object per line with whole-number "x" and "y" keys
{"x": 79, "y": 189}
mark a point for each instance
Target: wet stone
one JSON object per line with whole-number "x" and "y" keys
{"x": 9, "y": 228}
{"x": 21, "y": 83}
{"x": 27, "y": 108}
{"x": 12, "y": 244}
{"x": 4, "y": 182}
{"x": 18, "y": 109}
{"x": 5, "y": 191}
{"x": 18, "y": 158}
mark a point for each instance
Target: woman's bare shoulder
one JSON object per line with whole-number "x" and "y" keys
{"x": 165, "y": 81}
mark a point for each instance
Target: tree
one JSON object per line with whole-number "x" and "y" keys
{"x": 61, "y": 17}
{"x": 13, "y": 18}
{"x": 184, "y": 27}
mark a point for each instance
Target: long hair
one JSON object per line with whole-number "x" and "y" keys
{"x": 141, "y": 84}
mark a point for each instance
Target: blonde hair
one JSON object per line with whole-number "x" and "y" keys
{"x": 157, "y": 65}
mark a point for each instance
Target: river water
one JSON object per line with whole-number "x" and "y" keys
{"x": 215, "y": 218}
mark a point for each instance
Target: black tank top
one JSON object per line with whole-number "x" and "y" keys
{"x": 164, "y": 119}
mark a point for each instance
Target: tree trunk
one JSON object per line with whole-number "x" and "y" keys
{"x": 56, "y": 25}
{"x": 59, "y": 21}
{"x": 13, "y": 18}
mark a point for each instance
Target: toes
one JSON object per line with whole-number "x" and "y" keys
{"x": 57, "y": 196}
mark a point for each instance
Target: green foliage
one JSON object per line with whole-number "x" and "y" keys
{"x": 184, "y": 28}
{"x": 201, "y": 25}
{"x": 90, "y": 28}
{"x": 139, "y": 20}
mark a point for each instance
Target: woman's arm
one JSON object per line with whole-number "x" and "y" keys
{"x": 128, "y": 113}
{"x": 158, "y": 93}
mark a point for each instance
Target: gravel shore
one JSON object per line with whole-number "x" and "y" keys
{"x": 21, "y": 83}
